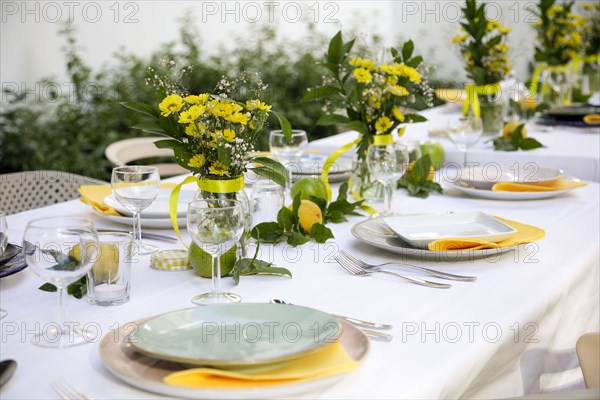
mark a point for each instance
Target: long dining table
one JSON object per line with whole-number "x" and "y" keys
{"x": 509, "y": 333}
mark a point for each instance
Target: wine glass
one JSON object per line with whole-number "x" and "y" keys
{"x": 288, "y": 153}
{"x": 215, "y": 226}
{"x": 136, "y": 187}
{"x": 60, "y": 250}
{"x": 387, "y": 163}
{"x": 465, "y": 133}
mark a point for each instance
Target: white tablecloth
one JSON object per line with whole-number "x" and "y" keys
{"x": 574, "y": 150}
{"x": 511, "y": 332}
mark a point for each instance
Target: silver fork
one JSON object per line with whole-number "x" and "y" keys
{"x": 68, "y": 392}
{"x": 432, "y": 272}
{"x": 358, "y": 271}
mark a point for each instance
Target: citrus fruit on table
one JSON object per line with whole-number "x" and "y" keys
{"x": 106, "y": 267}
{"x": 510, "y": 128}
{"x": 592, "y": 119}
{"x": 308, "y": 214}
{"x": 309, "y": 187}
{"x": 201, "y": 261}
{"x": 430, "y": 175}
{"x": 436, "y": 152}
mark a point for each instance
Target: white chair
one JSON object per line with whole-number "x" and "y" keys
{"x": 125, "y": 151}
{"x": 588, "y": 352}
{"x": 26, "y": 190}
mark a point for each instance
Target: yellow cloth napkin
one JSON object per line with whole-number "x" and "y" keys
{"x": 330, "y": 360}
{"x": 525, "y": 234}
{"x": 557, "y": 184}
{"x": 94, "y": 195}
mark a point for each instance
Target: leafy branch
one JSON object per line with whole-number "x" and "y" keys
{"x": 417, "y": 181}
{"x": 516, "y": 142}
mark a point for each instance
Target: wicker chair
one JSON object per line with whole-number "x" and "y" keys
{"x": 23, "y": 191}
{"x": 128, "y": 150}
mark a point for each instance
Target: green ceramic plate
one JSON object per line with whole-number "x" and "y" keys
{"x": 236, "y": 334}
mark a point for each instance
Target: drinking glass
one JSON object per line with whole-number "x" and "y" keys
{"x": 3, "y": 243}
{"x": 288, "y": 153}
{"x": 387, "y": 164}
{"x": 60, "y": 250}
{"x": 266, "y": 201}
{"x": 136, "y": 187}
{"x": 465, "y": 133}
{"x": 215, "y": 226}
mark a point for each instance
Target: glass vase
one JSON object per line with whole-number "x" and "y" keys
{"x": 241, "y": 196}
{"x": 363, "y": 183}
{"x": 492, "y": 116}
{"x": 557, "y": 87}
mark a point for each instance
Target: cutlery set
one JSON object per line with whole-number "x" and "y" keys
{"x": 359, "y": 323}
{"x": 360, "y": 268}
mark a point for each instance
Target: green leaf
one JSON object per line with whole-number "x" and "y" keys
{"x": 530, "y": 144}
{"x": 295, "y": 207}
{"x": 335, "y": 216}
{"x": 252, "y": 266}
{"x": 500, "y": 144}
{"x": 269, "y": 168}
{"x": 347, "y": 47}
{"x": 297, "y": 239}
{"x": 150, "y": 127}
{"x": 285, "y": 125}
{"x": 358, "y": 126}
{"x": 332, "y": 119}
{"x": 415, "y": 62}
{"x": 517, "y": 135}
{"x": 414, "y": 118}
{"x": 408, "y": 49}
{"x": 335, "y": 50}
{"x": 320, "y": 233}
{"x": 320, "y": 92}
{"x": 268, "y": 232}
{"x": 322, "y": 203}
{"x": 48, "y": 287}
{"x": 284, "y": 219}
{"x": 170, "y": 144}
{"x": 343, "y": 191}
{"x": 141, "y": 108}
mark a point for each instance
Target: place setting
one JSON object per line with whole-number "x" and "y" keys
{"x": 519, "y": 181}
{"x": 228, "y": 351}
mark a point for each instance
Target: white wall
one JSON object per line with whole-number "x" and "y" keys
{"x": 30, "y": 47}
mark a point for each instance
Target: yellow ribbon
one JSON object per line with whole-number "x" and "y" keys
{"x": 208, "y": 185}
{"x": 472, "y": 100}
{"x": 585, "y": 60}
{"x": 378, "y": 140}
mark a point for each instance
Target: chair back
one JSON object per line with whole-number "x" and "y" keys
{"x": 588, "y": 352}
{"x": 125, "y": 151}
{"x": 27, "y": 190}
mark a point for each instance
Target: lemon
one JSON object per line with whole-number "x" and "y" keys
{"x": 202, "y": 261}
{"x": 510, "y": 128}
{"x": 308, "y": 214}
{"x": 430, "y": 175}
{"x": 529, "y": 103}
{"x": 308, "y": 187}
{"x": 592, "y": 119}
{"x": 106, "y": 267}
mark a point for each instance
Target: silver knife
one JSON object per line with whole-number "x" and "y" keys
{"x": 146, "y": 235}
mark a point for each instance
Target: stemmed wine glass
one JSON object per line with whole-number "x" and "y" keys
{"x": 465, "y": 133}
{"x": 288, "y": 153}
{"x": 136, "y": 187}
{"x": 61, "y": 250}
{"x": 215, "y": 226}
{"x": 387, "y": 164}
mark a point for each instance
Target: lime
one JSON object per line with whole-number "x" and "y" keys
{"x": 202, "y": 261}
{"x": 308, "y": 187}
{"x": 436, "y": 152}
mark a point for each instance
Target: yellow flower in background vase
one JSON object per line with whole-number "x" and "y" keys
{"x": 237, "y": 118}
{"x": 397, "y": 90}
{"x": 398, "y": 114}
{"x": 229, "y": 135}
{"x": 257, "y": 105}
{"x": 197, "y": 161}
{"x": 362, "y": 75}
{"x": 191, "y": 114}
{"x": 365, "y": 63}
{"x": 383, "y": 124}
{"x": 170, "y": 104}
{"x": 218, "y": 168}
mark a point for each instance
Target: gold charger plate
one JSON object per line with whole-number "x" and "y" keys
{"x": 147, "y": 373}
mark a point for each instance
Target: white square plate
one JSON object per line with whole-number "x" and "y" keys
{"x": 420, "y": 230}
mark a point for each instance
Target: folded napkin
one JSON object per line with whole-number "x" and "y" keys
{"x": 94, "y": 195}
{"x": 330, "y": 360}
{"x": 525, "y": 234}
{"x": 556, "y": 184}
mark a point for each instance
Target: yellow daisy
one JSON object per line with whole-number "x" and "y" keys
{"x": 170, "y": 104}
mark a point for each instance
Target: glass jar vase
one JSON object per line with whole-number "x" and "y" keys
{"x": 363, "y": 183}
{"x": 492, "y": 115}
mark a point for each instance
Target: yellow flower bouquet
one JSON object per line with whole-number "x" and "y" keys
{"x": 369, "y": 97}
{"x": 483, "y": 46}
{"x": 213, "y": 135}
